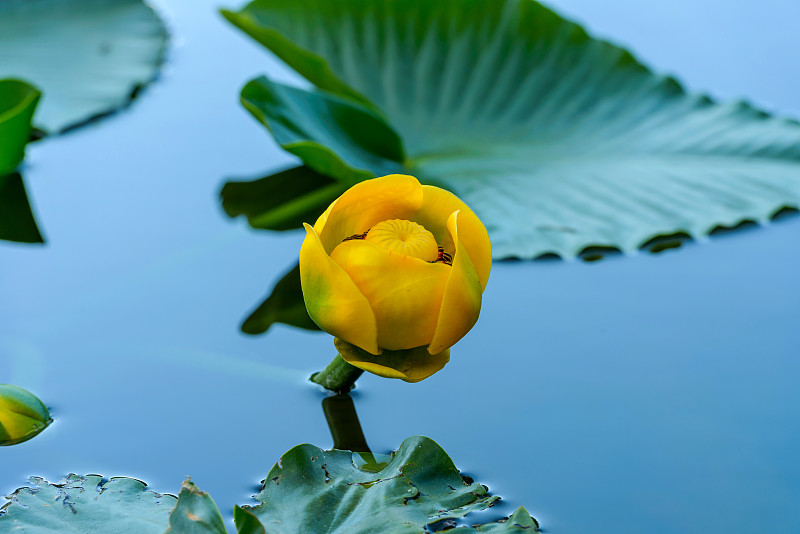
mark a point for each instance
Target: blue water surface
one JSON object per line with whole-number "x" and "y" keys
{"x": 640, "y": 394}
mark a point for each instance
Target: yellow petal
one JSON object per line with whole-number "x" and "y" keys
{"x": 396, "y": 196}
{"x": 461, "y": 303}
{"x": 405, "y": 293}
{"x": 410, "y": 365}
{"x": 332, "y": 299}
{"x": 437, "y": 205}
{"x": 322, "y": 219}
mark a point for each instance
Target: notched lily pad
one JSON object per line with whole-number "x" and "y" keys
{"x": 557, "y": 140}
{"x": 318, "y": 491}
{"x": 86, "y": 504}
{"x": 89, "y": 57}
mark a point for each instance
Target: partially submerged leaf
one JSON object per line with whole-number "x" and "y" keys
{"x": 315, "y": 491}
{"x": 86, "y": 504}
{"x": 557, "y": 140}
{"x": 195, "y": 512}
{"x": 284, "y": 305}
{"x": 89, "y": 57}
{"x": 16, "y": 218}
{"x": 282, "y": 201}
{"x": 22, "y": 415}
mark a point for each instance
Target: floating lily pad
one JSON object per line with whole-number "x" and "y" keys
{"x": 86, "y": 504}
{"x": 316, "y": 491}
{"x": 89, "y": 57}
{"x": 557, "y": 140}
{"x": 310, "y": 490}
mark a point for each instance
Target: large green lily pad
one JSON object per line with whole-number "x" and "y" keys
{"x": 86, "y": 504}
{"x": 415, "y": 490}
{"x": 316, "y": 491}
{"x": 88, "y": 57}
{"x": 557, "y": 140}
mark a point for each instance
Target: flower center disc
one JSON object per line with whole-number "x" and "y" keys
{"x": 404, "y": 237}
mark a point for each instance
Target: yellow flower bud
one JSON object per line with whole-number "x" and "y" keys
{"x": 395, "y": 269}
{"x": 22, "y": 415}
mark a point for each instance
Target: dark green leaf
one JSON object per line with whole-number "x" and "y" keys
{"x": 557, "y": 140}
{"x": 18, "y": 102}
{"x": 316, "y": 491}
{"x": 16, "y": 218}
{"x": 86, "y": 504}
{"x": 333, "y": 136}
{"x": 195, "y": 513}
{"x": 284, "y": 305}
{"x": 89, "y": 57}
{"x": 246, "y": 522}
{"x": 282, "y": 201}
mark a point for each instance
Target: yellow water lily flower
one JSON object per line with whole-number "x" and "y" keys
{"x": 22, "y": 415}
{"x": 395, "y": 270}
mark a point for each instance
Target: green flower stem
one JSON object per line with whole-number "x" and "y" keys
{"x": 339, "y": 376}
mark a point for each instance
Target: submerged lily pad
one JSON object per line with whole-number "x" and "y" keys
{"x": 89, "y": 57}
{"x": 86, "y": 504}
{"x": 557, "y": 140}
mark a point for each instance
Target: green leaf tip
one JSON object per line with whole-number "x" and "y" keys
{"x": 246, "y": 522}
{"x": 195, "y": 512}
{"x": 88, "y": 503}
{"x": 338, "y": 492}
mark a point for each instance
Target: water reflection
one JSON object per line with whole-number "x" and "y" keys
{"x": 340, "y": 413}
